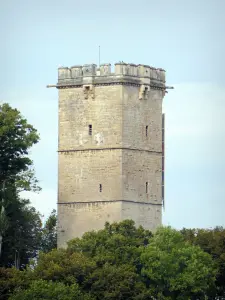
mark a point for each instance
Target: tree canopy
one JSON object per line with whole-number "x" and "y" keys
{"x": 123, "y": 262}
{"x": 211, "y": 241}
{"x": 16, "y": 173}
{"x": 176, "y": 269}
{"x": 16, "y": 137}
{"x": 43, "y": 290}
{"x": 22, "y": 234}
{"x": 49, "y": 233}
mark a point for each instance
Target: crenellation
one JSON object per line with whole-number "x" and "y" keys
{"x": 144, "y": 71}
{"x": 76, "y": 71}
{"x": 89, "y": 70}
{"x": 130, "y": 73}
{"x": 105, "y": 69}
{"x": 162, "y": 75}
{"x": 133, "y": 70}
{"x": 64, "y": 73}
{"x": 121, "y": 69}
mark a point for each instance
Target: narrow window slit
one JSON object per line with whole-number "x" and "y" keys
{"x": 146, "y": 187}
{"x": 100, "y": 188}
{"x": 146, "y": 130}
{"x": 90, "y": 129}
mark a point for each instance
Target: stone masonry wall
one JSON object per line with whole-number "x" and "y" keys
{"x": 76, "y": 113}
{"x": 142, "y": 130}
{"x": 82, "y": 172}
{"x": 111, "y": 171}
{"x": 76, "y": 219}
{"x": 139, "y": 168}
{"x": 146, "y": 215}
{"x": 137, "y": 114}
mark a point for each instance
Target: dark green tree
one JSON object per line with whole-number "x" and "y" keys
{"x": 112, "y": 282}
{"x": 211, "y": 241}
{"x": 49, "y": 233}
{"x": 16, "y": 172}
{"x": 16, "y": 137}
{"x": 121, "y": 262}
{"x": 48, "y": 290}
{"x": 59, "y": 265}
{"x": 12, "y": 279}
{"x": 117, "y": 243}
{"x": 175, "y": 269}
{"x": 23, "y": 236}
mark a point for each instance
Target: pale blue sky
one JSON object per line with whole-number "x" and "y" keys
{"x": 184, "y": 37}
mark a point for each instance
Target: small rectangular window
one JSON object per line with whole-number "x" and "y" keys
{"x": 90, "y": 129}
{"x": 146, "y": 130}
{"x": 100, "y": 188}
{"x": 146, "y": 187}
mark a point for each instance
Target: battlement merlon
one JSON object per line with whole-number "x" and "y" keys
{"x": 89, "y": 74}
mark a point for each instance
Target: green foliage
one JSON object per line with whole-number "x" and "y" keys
{"x": 23, "y": 235}
{"x": 10, "y": 280}
{"x": 59, "y": 265}
{"x": 16, "y": 137}
{"x": 20, "y": 224}
{"x": 119, "y": 262}
{"x": 118, "y": 243}
{"x": 211, "y": 241}
{"x": 26, "y": 181}
{"x": 49, "y": 233}
{"x": 114, "y": 282}
{"x": 103, "y": 262}
{"x": 44, "y": 290}
{"x": 174, "y": 269}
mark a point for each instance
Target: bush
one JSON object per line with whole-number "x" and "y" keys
{"x": 48, "y": 290}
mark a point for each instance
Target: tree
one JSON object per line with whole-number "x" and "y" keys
{"x": 117, "y": 243}
{"x": 174, "y": 269}
{"x": 103, "y": 263}
{"x": 49, "y": 233}
{"x": 117, "y": 263}
{"x": 59, "y": 265}
{"x": 48, "y": 290}
{"x": 111, "y": 282}
{"x": 116, "y": 251}
{"x": 23, "y": 235}
{"x": 12, "y": 279}
{"x": 211, "y": 241}
{"x": 16, "y": 137}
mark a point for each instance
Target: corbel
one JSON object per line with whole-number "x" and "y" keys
{"x": 144, "y": 91}
{"x": 88, "y": 90}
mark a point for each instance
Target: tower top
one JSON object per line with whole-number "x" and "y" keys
{"x": 124, "y": 72}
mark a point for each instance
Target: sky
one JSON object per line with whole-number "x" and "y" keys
{"x": 186, "y": 38}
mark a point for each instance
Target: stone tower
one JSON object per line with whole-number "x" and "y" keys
{"x": 110, "y": 147}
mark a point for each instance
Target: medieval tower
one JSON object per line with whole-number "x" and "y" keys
{"x": 110, "y": 152}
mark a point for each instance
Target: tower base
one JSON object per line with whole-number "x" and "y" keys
{"x": 77, "y": 218}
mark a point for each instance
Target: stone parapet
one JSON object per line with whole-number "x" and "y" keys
{"x": 124, "y": 73}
